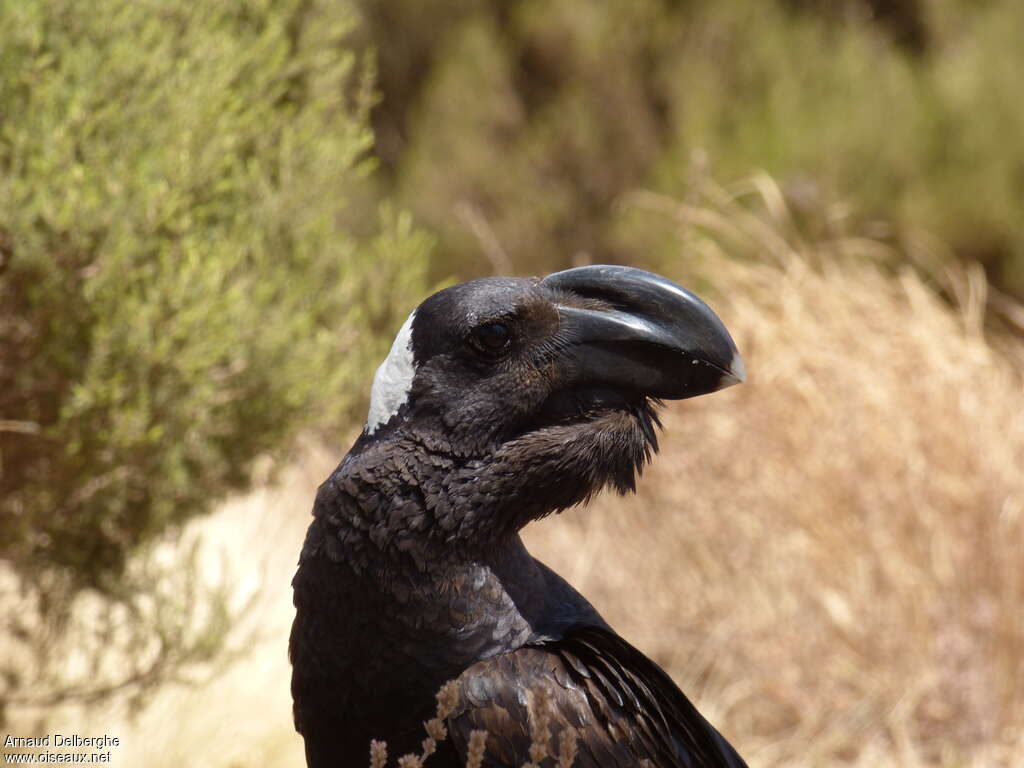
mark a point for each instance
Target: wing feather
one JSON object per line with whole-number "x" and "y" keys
{"x": 622, "y": 706}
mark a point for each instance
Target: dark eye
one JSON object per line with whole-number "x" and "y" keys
{"x": 492, "y": 337}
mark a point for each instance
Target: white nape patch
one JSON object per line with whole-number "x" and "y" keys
{"x": 393, "y": 380}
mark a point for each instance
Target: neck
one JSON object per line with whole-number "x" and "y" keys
{"x": 403, "y": 632}
{"x": 410, "y": 503}
{"x": 413, "y": 568}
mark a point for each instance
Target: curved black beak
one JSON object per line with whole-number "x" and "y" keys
{"x": 648, "y": 335}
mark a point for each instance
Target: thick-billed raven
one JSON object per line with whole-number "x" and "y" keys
{"x": 502, "y": 400}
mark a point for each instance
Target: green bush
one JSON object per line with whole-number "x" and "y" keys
{"x": 929, "y": 145}
{"x": 513, "y": 128}
{"x": 179, "y": 290}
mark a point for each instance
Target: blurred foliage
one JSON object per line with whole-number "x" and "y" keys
{"x": 179, "y": 292}
{"x": 512, "y": 128}
{"x": 165, "y": 620}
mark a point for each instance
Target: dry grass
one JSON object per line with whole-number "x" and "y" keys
{"x": 829, "y": 558}
{"x": 539, "y": 710}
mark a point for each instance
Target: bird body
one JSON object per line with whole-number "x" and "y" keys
{"x": 502, "y": 401}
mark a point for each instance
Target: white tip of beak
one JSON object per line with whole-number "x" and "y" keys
{"x": 737, "y": 372}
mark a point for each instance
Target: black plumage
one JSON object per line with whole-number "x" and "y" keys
{"x": 503, "y": 400}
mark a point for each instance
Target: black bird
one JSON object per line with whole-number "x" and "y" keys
{"x": 502, "y": 400}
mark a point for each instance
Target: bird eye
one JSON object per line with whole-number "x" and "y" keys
{"x": 492, "y": 337}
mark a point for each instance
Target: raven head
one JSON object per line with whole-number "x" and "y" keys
{"x": 551, "y": 382}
